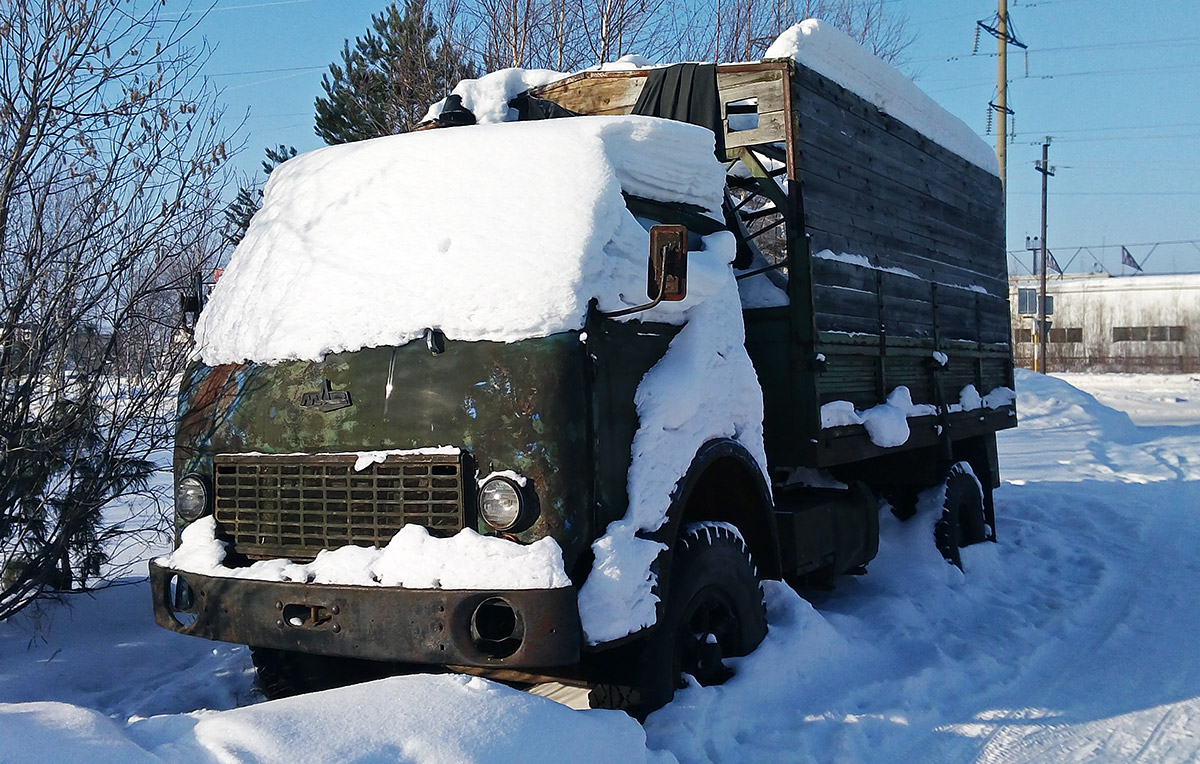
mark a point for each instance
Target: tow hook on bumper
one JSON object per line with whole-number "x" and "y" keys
{"x": 309, "y": 616}
{"x": 517, "y": 628}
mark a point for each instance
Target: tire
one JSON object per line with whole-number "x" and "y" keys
{"x": 284, "y": 673}
{"x": 962, "y": 522}
{"x": 714, "y": 610}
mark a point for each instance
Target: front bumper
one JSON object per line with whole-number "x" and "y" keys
{"x": 520, "y": 628}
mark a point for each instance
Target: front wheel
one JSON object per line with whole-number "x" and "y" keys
{"x": 714, "y": 611}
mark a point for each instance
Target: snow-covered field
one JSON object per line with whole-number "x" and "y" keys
{"x": 1073, "y": 639}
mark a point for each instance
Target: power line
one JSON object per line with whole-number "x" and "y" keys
{"x": 1064, "y": 75}
{"x": 1127, "y": 44}
{"x": 262, "y": 82}
{"x": 259, "y": 5}
{"x": 214, "y": 8}
{"x": 1172, "y": 41}
{"x": 1036, "y": 3}
{"x": 280, "y": 115}
{"x": 1115, "y": 127}
{"x": 1115, "y": 72}
{"x": 1164, "y": 164}
{"x": 1106, "y": 138}
{"x": 1110, "y": 193}
{"x": 268, "y": 71}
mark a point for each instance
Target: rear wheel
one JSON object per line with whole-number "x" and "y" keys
{"x": 962, "y": 522}
{"x": 714, "y": 611}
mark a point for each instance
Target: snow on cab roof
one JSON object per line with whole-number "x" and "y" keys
{"x": 829, "y": 52}
{"x": 492, "y": 232}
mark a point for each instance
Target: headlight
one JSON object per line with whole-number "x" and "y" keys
{"x": 191, "y": 498}
{"x": 500, "y": 503}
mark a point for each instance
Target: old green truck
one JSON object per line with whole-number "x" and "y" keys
{"x": 596, "y": 499}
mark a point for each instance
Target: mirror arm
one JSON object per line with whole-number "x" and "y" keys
{"x": 662, "y": 286}
{"x": 668, "y": 262}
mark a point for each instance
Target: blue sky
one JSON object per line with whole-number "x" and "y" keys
{"x": 1115, "y": 84}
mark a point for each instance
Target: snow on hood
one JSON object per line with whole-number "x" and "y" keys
{"x": 494, "y": 232}
{"x": 829, "y": 52}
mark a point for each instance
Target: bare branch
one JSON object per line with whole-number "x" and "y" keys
{"x": 113, "y": 161}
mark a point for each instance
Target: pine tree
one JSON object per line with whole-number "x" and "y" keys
{"x": 388, "y": 79}
{"x": 249, "y": 198}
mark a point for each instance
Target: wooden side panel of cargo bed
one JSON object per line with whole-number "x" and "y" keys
{"x": 907, "y": 240}
{"x": 917, "y": 213}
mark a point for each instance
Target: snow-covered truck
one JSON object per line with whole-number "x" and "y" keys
{"x": 548, "y": 395}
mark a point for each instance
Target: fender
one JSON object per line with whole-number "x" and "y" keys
{"x": 721, "y": 469}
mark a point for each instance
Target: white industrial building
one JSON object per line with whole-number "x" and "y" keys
{"x": 1100, "y": 322}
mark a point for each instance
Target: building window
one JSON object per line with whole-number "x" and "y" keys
{"x": 1148, "y": 333}
{"x": 1027, "y": 302}
{"x": 1024, "y": 335}
{"x": 1068, "y": 334}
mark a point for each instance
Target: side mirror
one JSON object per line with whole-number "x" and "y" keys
{"x": 666, "y": 280}
{"x": 189, "y": 302}
{"x": 667, "y": 277}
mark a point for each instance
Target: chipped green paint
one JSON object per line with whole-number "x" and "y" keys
{"x": 521, "y": 406}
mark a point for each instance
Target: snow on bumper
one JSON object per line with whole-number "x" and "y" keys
{"x": 513, "y": 628}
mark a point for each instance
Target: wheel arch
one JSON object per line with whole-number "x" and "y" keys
{"x": 725, "y": 483}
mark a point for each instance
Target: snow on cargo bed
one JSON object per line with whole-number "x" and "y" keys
{"x": 829, "y": 52}
{"x": 493, "y": 232}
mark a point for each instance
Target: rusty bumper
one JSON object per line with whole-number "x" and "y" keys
{"x": 523, "y": 628}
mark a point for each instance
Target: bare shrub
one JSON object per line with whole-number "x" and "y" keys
{"x": 113, "y": 157}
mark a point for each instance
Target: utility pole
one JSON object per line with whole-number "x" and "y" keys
{"x": 1002, "y": 91}
{"x": 1004, "y": 35}
{"x": 1046, "y": 170}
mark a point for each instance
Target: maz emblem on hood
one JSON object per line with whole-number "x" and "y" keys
{"x": 327, "y": 400}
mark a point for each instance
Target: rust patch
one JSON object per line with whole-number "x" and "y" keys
{"x": 217, "y": 390}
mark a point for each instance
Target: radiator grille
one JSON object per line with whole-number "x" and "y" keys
{"x": 296, "y": 505}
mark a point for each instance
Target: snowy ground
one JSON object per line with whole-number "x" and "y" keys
{"x": 1071, "y": 640}
{"x": 1148, "y": 399}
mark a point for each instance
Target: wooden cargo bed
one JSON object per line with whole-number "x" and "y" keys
{"x": 889, "y": 245}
